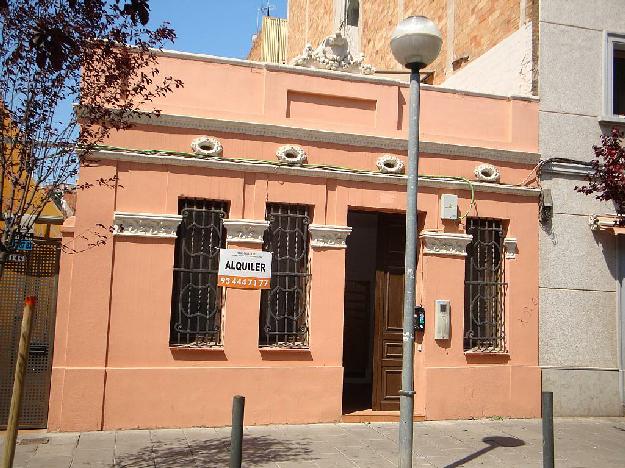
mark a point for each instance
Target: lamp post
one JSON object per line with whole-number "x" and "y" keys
{"x": 415, "y": 43}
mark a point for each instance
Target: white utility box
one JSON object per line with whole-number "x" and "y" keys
{"x": 449, "y": 206}
{"x": 443, "y": 320}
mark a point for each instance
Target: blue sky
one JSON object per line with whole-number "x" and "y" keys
{"x": 213, "y": 27}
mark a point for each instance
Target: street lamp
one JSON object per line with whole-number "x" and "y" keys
{"x": 415, "y": 43}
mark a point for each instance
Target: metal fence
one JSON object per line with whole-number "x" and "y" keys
{"x": 33, "y": 273}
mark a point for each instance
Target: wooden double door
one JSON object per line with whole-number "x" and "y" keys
{"x": 388, "y": 318}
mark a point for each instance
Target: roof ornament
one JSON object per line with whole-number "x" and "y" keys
{"x": 207, "y": 147}
{"x": 292, "y": 154}
{"x": 487, "y": 173}
{"x": 389, "y": 164}
{"x": 333, "y": 54}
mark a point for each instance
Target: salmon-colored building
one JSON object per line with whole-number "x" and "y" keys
{"x": 305, "y": 164}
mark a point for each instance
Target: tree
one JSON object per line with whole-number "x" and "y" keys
{"x": 99, "y": 54}
{"x": 607, "y": 180}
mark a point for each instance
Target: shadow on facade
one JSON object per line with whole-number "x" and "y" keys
{"x": 257, "y": 450}
{"x": 491, "y": 444}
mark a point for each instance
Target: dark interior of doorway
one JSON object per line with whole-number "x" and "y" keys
{"x": 358, "y": 331}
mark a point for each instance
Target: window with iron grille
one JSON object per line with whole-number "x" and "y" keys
{"x": 196, "y": 298}
{"x": 283, "y": 317}
{"x": 484, "y": 287}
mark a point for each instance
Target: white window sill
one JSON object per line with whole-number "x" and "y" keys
{"x": 486, "y": 352}
{"x": 285, "y": 349}
{"x": 183, "y": 348}
{"x": 612, "y": 119}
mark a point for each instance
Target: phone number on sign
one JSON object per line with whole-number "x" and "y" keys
{"x": 247, "y": 283}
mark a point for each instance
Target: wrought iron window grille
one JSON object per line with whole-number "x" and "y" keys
{"x": 196, "y": 299}
{"x": 284, "y": 307}
{"x": 485, "y": 287}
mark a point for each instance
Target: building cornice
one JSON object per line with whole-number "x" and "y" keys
{"x": 328, "y": 237}
{"x": 444, "y": 243}
{"x": 326, "y": 136}
{"x": 337, "y": 75}
{"x": 328, "y": 172}
{"x": 145, "y": 224}
{"x": 250, "y": 231}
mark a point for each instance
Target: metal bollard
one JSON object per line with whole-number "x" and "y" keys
{"x": 236, "y": 434}
{"x": 547, "y": 414}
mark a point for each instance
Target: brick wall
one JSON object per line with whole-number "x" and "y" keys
{"x": 320, "y": 21}
{"x": 469, "y": 27}
{"x": 256, "y": 52}
{"x": 481, "y": 24}
{"x": 377, "y": 21}
{"x": 310, "y": 21}
{"x": 297, "y": 27}
{"x": 436, "y": 10}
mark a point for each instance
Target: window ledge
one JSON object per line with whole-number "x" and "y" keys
{"x": 200, "y": 349}
{"x": 612, "y": 119}
{"x": 279, "y": 349}
{"x": 486, "y": 353}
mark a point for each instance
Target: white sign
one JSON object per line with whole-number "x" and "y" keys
{"x": 244, "y": 269}
{"x": 16, "y": 258}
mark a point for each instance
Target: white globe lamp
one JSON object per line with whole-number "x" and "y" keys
{"x": 416, "y": 42}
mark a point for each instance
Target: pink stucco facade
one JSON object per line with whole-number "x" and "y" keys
{"x": 113, "y": 366}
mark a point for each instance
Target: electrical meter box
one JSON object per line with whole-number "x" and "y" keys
{"x": 442, "y": 321}
{"x": 449, "y": 206}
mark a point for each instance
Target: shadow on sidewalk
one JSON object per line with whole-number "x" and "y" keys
{"x": 257, "y": 450}
{"x": 491, "y": 444}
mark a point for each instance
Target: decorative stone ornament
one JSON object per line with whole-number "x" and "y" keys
{"x": 389, "y": 164}
{"x": 329, "y": 237}
{"x": 487, "y": 173}
{"x": 510, "y": 246}
{"x": 333, "y": 54}
{"x": 443, "y": 243}
{"x": 145, "y": 224}
{"x": 245, "y": 230}
{"x": 292, "y": 154}
{"x": 207, "y": 147}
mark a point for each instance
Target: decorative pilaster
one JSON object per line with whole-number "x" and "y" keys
{"x": 329, "y": 237}
{"x": 145, "y": 224}
{"x": 249, "y": 231}
{"x": 509, "y": 244}
{"x": 443, "y": 243}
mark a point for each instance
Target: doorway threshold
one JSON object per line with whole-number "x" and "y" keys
{"x": 368, "y": 415}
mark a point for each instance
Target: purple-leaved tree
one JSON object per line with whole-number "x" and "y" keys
{"x": 607, "y": 180}
{"x": 99, "y": 54}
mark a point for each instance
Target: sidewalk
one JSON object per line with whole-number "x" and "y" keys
{"x": 588, "y": 442}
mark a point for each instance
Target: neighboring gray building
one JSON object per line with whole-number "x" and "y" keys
{"x": 576, "y": 61}
{"x": 581, "y": 85}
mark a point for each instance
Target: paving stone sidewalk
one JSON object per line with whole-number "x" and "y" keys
{"x": 589, "y": 442}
